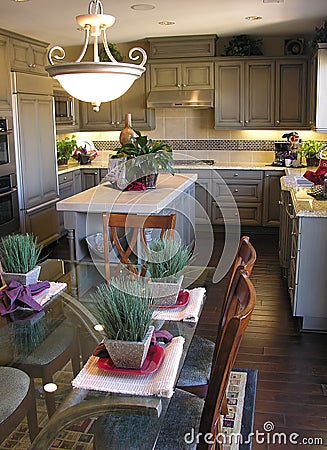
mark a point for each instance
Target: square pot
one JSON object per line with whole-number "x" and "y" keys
{"x": 129, "y": 355}
{"x": 30, "y": 277}
{"x": 165, "y": 293}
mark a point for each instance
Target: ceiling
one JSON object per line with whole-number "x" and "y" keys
{"x": 53, "y": 21}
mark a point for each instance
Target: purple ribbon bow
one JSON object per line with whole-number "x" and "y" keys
{"x": 17, "y": 296}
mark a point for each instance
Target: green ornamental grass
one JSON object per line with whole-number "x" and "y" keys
{"x": 123, "y": 308}
{"x": 19, "y": 253}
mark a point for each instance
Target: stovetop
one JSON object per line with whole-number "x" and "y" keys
{"x": 193, "y": 162}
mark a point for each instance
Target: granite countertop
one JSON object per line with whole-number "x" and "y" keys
{"x": 304, "y": 204}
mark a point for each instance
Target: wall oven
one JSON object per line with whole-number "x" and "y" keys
{"x": 9, "y": 213}
{"x": 64, "y": 108}
{"x": 7, "y": 149}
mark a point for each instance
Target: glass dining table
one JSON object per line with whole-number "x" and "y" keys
{"x": 54, "y": 345}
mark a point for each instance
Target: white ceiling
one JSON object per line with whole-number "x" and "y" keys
{"x": 53, "y": 21}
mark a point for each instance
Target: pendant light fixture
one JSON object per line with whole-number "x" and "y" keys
{"x": 96, "y": 81}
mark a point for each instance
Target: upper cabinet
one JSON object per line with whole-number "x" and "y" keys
{"x": 185, "y": 76}
{"x": 318, "y": 91}
{"x": 112, "y": 114}
{"x": 5, "y": 90}
{"x": 291, "y": 88}
{"x": 260, "y": 93}
{"x": 244, "y": 94}
{"x": 28, "y": 56}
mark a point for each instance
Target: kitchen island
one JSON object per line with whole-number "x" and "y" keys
{"x": 83, "y": 211}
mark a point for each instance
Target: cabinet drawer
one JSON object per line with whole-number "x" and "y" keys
{"x": 242, "y": 192}
{"x": 66, "y": 190}
{"x": 65, "y": 177}
{"x": 241, "y": 174}
{"x": 204, "y": 174}
{"x": 249, "y": 214}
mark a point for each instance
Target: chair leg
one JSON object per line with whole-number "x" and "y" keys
{"x": 49, "y": 398}
{"x": 33, "y": 426}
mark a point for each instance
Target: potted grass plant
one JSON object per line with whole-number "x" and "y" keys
{"x": 19, "y": 255}
{"x": 124, "y": 309}
{"x": 145, "y": 158}
{"x": 166, "y": 260}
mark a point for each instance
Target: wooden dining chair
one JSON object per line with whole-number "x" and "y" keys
{"x": 17, "y": 401}
{"x": 187, "y": 413}
{"x": 137, "y": 223}
{"x": 196, "y": 371}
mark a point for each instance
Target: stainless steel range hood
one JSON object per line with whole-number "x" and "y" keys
{"x": 181, "y": 99}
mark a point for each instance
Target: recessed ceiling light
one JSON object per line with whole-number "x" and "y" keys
{"x": 20, "y": 1}
{"x": 253, "y": 18}
{"x": 166, "y": 22}
{"x": 142, "y": 7}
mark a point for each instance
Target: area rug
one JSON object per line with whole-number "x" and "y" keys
{"x": 239, "y": 421}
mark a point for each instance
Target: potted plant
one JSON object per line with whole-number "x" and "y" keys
{"x": 144, "y": 158}
{"x": 65, "y": 149}
{"x": 166, "y": 260}
{"x": 123, "y": 308}
{"x": 320, "y": 36}
{"x": 19, "y": 255}
{"x": 243, "y": 45}
{"x": 310, "y": 149}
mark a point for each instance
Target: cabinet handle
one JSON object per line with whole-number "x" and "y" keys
{"x": 235, "y": 190}
{"x": 117, "y": 123}
{"x": 95, "y": 173}
{"x": 277, "y": 121}
{"x": 290, "y": 288}
{"x": 241, "y": 121}
{"x": 293, "y": 257}
{"x": 246, "y": 121}
{"x": 178, "y": 85}
{"x": 33, "y": 65}
{"x": 293, "y": 233}
{"x": 65, "y": 178}
{"x": 267, "y": 175}
{"x": 280, "y": 202}
{"x": 112, "y": 123}
{"x": 184, "y": 85}
{"x": 235, "y": 174}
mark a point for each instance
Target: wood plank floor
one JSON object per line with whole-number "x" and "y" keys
{"x": 292, "y": 365}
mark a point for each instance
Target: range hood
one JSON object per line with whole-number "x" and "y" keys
{"x": 203, "y": 98}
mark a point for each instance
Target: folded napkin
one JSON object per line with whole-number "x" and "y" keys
{"x": 135, "y": 186}
{"x": 160, "y": 383}
{"x": 188, "y": 313}
{"x": 17, "y": 296}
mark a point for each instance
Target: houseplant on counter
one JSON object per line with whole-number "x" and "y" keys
{"x": 123, "y": 308}
{"x": 19, "y": 255}
{"x": 65, "y": 149}
{"x": 144, "y": 158}
{"x": 310, "y": 149}
{"x": 165, "y": 262}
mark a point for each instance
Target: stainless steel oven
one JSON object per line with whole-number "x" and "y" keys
{"x": 9, "y": 213}
{"x": 7, "y": 149}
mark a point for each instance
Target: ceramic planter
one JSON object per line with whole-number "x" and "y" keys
{"x": 30, "y": 277}
{"x": 165, "y": 293}
{"x": 129, "y": 355}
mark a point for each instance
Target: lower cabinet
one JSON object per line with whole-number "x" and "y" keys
{"x": 42, "y": 222}
{"x": 271, "y": 198}
{"x": 286, "y": 219}
{"x": 90, "y": 178}
{"x": 70, "y": 183}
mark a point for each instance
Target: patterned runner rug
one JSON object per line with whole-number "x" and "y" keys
{"x": 238, "y": 421}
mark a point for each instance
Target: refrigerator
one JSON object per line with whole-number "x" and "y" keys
{"x": 35, "y": 154}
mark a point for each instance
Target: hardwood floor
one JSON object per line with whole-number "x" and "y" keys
{"x": 292, "y": 365}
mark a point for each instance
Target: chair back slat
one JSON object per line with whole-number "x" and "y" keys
{"x": 138, "y": 223}
{"x": 244, "y": 297}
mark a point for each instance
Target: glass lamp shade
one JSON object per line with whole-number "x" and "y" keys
{"x": 96, "y": 82}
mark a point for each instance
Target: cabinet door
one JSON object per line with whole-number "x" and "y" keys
{"x": 26, "y": 57}
{"x": 5, "y": 89}
{"x": 103, "y": 120}
{"x": 37, "y": 149}
{"x": 166, "y": 77}
{"x": 229, "y": 95}
{"x": 271, "y": 197}
{"x": 313, "y": 92}
{"x": 259, "y": 94}
{"x": 197, "y": 76}
{"x": 291, "y": 77}
{"x": 77, "y": 179}
{"x": 90, "y": 178}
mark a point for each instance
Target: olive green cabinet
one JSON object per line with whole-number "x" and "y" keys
{"x": 244, "y": 94}
{"x": 271, "y": 198}
{"x": 184, "y": 76}
{"x": 291, "y": 89}
{"x": 112, "y": 114}
{"x": 28, "y": 56}
{"x": 5, "y": 89}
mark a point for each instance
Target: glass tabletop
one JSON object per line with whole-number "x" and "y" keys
{"x": 54, "y": 344}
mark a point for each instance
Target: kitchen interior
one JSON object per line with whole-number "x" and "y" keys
{"x": 251, "y": 113}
